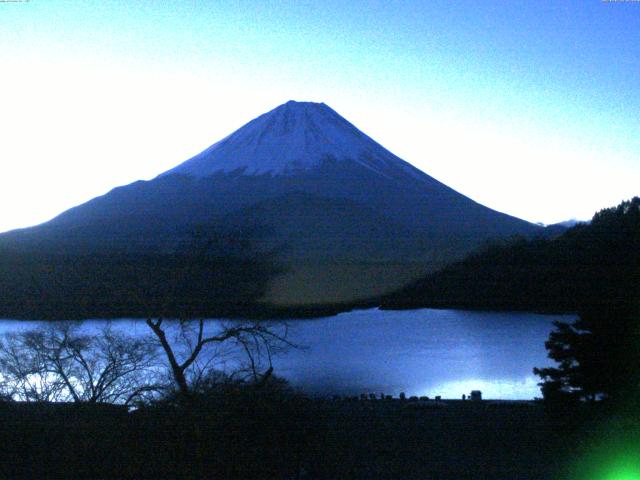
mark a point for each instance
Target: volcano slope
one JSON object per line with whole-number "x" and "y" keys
{"x": 340, "y": 218}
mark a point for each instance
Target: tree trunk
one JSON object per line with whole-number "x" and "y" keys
{"x": 176, "y": 369}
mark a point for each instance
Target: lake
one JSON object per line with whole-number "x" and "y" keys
{"x": 419, "y": 352}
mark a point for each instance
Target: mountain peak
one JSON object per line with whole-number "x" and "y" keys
{"x": 296, "y": 103}
{"x": 292, "y": 137}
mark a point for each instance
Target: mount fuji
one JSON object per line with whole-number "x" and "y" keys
{"x": 348, "y": 219}
{"x": 292, "y": 138}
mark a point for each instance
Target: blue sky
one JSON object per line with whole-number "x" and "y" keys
{"x": 529, "y": 107}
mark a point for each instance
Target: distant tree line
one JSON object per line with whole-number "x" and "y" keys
{"x": 203, "y": 277}
{"x": 586, "y": 266}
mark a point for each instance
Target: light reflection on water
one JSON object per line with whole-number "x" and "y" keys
{"x": 420, "y": 352}
{"x": 491, "y": 389}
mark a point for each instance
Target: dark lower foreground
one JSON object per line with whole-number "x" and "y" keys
{"x": 275, "y": 436}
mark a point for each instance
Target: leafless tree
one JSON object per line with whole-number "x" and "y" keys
{"x": 193, "y": 348}
{"x": 59, "y": 362}
{"x": 24, "y": 371}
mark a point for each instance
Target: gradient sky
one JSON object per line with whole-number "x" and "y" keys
{"x": 529, "y": 107}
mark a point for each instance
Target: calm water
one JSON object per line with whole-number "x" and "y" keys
{"x": 420, "y": 352}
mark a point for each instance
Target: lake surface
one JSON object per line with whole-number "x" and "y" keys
{"x": 419, "y": 352}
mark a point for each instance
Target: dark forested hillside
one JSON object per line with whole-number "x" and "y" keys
{"x": 588, "y": 264}
{"x": 188, "y": 283}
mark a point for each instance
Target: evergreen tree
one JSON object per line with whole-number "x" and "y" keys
{"x": 599, "y": 354}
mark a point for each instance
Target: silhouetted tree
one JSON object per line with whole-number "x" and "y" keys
{"x": 58, "y": 362}
{"x": 193, "y": 347}
{"x": 248, "y": 346}
{"x": 598, "y": 356}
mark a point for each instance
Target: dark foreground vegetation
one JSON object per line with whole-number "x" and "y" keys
{"x": 108, "y": 405}
{"x": 271, "y": 432}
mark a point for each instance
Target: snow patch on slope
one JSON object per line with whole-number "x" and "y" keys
{"x": 294, "y": 136}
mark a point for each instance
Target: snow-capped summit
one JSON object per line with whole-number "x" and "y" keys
{"x": 292, "y": 137}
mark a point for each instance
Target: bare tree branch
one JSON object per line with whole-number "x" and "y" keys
{"x": 58, "y": 362}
